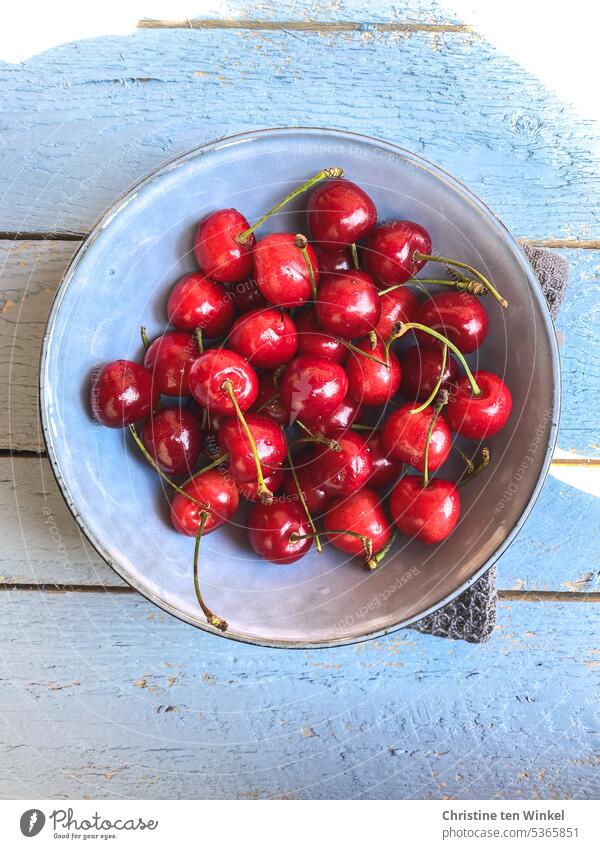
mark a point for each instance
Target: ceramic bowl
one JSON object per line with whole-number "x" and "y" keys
{"x": 120, "y": 279}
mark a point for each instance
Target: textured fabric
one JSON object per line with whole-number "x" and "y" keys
{"x": 472, "y": 615}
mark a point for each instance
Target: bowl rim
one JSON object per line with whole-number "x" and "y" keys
{"x": 104, "y": 220}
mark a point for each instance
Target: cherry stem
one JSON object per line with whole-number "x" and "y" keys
{"x": 354, "y": 251}
{"x": 144, "y": 335}
{"x": 436, "y": 388}
{"x": 266, "y": 403}
{"x": 318, "y": 545}
{"x": 263, "y": 491}
{"x": 362, "y": 353}
{"x": 322, "y": 175}
{"x": 199, "y": 342}
{"x": 469, "y": 464}
{"x": 473, "y": 287}
{"x": 436, "y": 414}
{"x": 211, "y": 617}
{"x": 370, "y": 428}
{"x": 332, "y": 444}
{"x": 413, "y": 325}
{"x": 301, "y": 242}
{"x": 204, "y": 422}
{"x": 417, "y": 255}
{"x": 366, "y": 541}
{"x": 373, "y": 339}
{"x": 379, "y": 556}
{"x": 477, "y": 470}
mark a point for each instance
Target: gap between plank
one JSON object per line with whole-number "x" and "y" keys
{"x": 301, "y": 26}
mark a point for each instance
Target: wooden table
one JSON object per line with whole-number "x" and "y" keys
{"x": 103, "y": 695}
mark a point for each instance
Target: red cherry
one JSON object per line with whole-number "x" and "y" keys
{"x": 457, "y": 315}
{"x": 371, "y": 383}
{"x": 310, "y": 479}
{"x": 421, "y": 367}
{"x": 246, "y": 295}
{"x": 388, "y": 254}
{"x": 195, "y": 301}
{"x": 265, "y": 337}
{"x": 218, "y": 497}
{"x": 249, "y": 489}
{"x": 346, "y": 470}
{"x": 361, "y": 513}
{"x": 341, "y": 418}
{"x": 122, "y": 393}
{"x": 211, "y": 370}
{"x": 404, "y": 436}
{"x": 172, "y": 437}
{"x": 281, "y": 271}
{"x": 270, "y": 527}
{"x": 312, "y": 387}
{"x": 478, "y": 416}
{"x": 313, "y": 340}
{"x": 348, "y": 305}
{"x": 340, "y": 213}
{"x": 335, "y": 262}
{"x": 386, "y": 470}
{"x": 428, "y": 514}
{"x": 218, "y": 253}
{"x": 397, "y": 307}
{"x": 268, "y": 438}
{"x": 169, "y": 359}
{"x": 274, "y": 409}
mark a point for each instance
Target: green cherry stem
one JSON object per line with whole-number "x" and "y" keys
{"x": 301, "y": 242}
{"x": 211, "y": 617}
{"x": 318, "y": 545}
{"x": 263, "y": 491}
{"x": 322, "y": 175}
{"x": 361, "y": 353}
{"x": 199, "y": 341}
{"x": 370, "y": 428}
{"x": 385, "y": 551}
{"x": 266, "y": 403}
{"x": 437, "y": 386}
{"x": 366, "y": 541}
{"x": 144, "y": 335}
{"x": 332, "y": 444}
{"x": 477, "y": 470}
{"x": 469, "y": 464}
{"x": 473, "y": 287}
{"x": 354, "y": 251}
{"x": 418, "y": 256}
{"x": 436, "y": 414}
{"x": 413, "y": 325}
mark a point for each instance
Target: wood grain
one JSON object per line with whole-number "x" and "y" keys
{"x": 100, "y": 113}
{"x": 104, "y": 696}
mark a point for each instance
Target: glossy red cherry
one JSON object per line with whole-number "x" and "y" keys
{"x": 335, "y": 262}
{"x": 246, "y": 295}
{"x": 346, "y": 470}
{"x": 386, "y": 470}
{"x": 270, "y": 527}
{"x": 340, "y": 419}
{"x": 421, "y": 367}
{"x": 313, "y": 340}
{"x": 169, "y": 359}
{"x": 122, "y": 393}
{"x": 266, "y": 404}
{"x": 312, "y": 387}
{"x": 249, "y": 489}
{"x": 478, "y": 416}
{"x": 457, "y": 315}
{"x": 218, "y": 252}
{"x": 372, "y": 383}
{"x": 428, "y": 514}
{"x": 399, "y": 306}
{"x": 388, "y": 254}
{"x": 340, "y": 213}
{"x": 211, "y": 370}
{"x": 265, "y": 337}
{"x": 281, "y": 270}
{"x": 268, "y": 438}
{"x": 404, "y": 436}
{"x": 310, "y": 480}
{"x": 348, "y": 305}
{"x": 361, "y": 513}
{"x": 218, "y": 497}
{"x": 173, "y": 438}
{"x": 197, "y": 302}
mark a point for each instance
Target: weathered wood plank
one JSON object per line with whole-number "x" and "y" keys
{"x": 135, "y": 704}
{"x": 98, "y": 114}
{"x": 30, "y": 273}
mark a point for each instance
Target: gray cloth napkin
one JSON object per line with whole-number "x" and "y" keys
{"x": 472, "y": 615}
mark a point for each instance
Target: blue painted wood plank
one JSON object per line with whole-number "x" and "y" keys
{"x": 104, "y": 696}
{"x": 82, "y": 121}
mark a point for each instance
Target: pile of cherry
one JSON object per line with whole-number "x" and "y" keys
{"x": 300, "y": 336}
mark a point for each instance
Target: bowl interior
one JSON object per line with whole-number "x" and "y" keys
{"x": 121, "y": 278}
